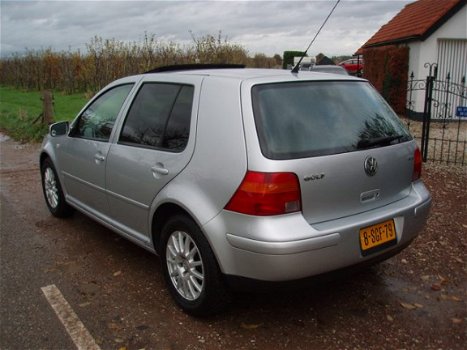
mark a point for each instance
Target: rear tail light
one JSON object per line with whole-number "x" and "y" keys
{"x": 417, "y": 165}
{"x": 265, "y": 194}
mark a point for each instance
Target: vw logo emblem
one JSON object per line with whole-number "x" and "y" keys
{"x": 370, "y": 166}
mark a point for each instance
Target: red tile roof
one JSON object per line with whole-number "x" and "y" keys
{"x": 416, "y": 21}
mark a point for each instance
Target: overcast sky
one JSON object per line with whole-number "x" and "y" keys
{"x": 259, "y": 26}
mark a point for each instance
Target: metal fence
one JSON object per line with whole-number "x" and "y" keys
{"x": 441, "y": 128}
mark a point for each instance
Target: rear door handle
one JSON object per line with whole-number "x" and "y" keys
{"x": 159, "y": 170}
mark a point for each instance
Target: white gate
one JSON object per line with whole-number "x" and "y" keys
{"x": 452, "y": 67}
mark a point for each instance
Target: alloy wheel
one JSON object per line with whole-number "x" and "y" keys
{"x": 50, "y": 186}
{"x": 185, "y": 265}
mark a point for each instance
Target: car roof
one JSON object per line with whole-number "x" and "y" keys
{"x": 252, "y": 75}
{"x": 258, "y": 73}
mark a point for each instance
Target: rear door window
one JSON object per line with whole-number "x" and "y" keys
{"x": 159, "y": 117}
{"x": 306, "y": 119}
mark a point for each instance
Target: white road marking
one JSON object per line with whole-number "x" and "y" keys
{"x": 74, "y": 327}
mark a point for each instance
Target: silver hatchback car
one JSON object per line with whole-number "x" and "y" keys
{"x": 240, "y": 174}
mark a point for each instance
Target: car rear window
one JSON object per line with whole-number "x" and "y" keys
{"x": 306, "y": 119}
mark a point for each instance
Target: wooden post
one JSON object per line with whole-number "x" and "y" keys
{"x": 47, "y": 107}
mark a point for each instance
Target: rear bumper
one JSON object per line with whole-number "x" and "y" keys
{"x": 244, "y": 284}
{"x": 286, "y": 247}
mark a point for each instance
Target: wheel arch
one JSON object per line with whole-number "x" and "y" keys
{"x": 43, "y": 156}
{"x": 46, "y": 154}
{"x": 162, "y": 214}
{"x": 48, "y": 151}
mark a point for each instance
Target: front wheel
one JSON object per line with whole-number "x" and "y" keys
{"x": 53, "y": 192}
{"x": 190, "y": 268}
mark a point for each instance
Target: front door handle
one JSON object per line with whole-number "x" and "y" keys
{"x": 99, "y": 157}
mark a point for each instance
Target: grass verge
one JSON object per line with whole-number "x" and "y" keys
{"x": 20, "y": 108}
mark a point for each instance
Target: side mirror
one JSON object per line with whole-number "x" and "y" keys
{"x": 59, "y": 129}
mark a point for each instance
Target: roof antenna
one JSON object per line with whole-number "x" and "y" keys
{"x": 297, "y": 66}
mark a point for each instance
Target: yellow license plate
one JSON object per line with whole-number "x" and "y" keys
{"x": 376, "y": 237}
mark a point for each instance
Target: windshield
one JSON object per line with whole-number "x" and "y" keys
{"x": 305, "y": 119}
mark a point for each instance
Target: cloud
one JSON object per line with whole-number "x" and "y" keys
{"x": 260, "y": 26}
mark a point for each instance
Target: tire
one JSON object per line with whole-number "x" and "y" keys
{"x": 190, "y": 268}
{"x": 53, "y": 192}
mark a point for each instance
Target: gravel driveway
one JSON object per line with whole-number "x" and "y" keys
{"x": 416, "y": 300}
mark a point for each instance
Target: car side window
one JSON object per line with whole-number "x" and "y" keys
{"x": 159, "y": 117}
{"x": 97, "y": 121}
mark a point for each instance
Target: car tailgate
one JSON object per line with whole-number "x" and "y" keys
{"x": 336, "y": 186}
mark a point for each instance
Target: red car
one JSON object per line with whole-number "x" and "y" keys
{"x": 353, "y": 66}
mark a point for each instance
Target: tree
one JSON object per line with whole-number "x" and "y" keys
{"x": 278, "y": 59}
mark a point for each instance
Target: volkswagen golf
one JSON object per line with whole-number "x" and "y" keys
{"x": 233, "y": 174}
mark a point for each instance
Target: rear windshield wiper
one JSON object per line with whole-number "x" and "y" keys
{"x": 378, "y": 141}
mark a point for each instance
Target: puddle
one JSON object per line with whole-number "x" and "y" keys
{"x": 4, "y": 138}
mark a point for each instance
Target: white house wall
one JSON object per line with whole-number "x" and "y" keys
{"x": 422, "y": 52}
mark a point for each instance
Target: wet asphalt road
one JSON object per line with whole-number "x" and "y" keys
{"x": 117, "y": 289}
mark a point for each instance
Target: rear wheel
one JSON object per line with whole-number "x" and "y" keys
{"x": 190, "y": 268}
{"x": 53, "y": 192}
